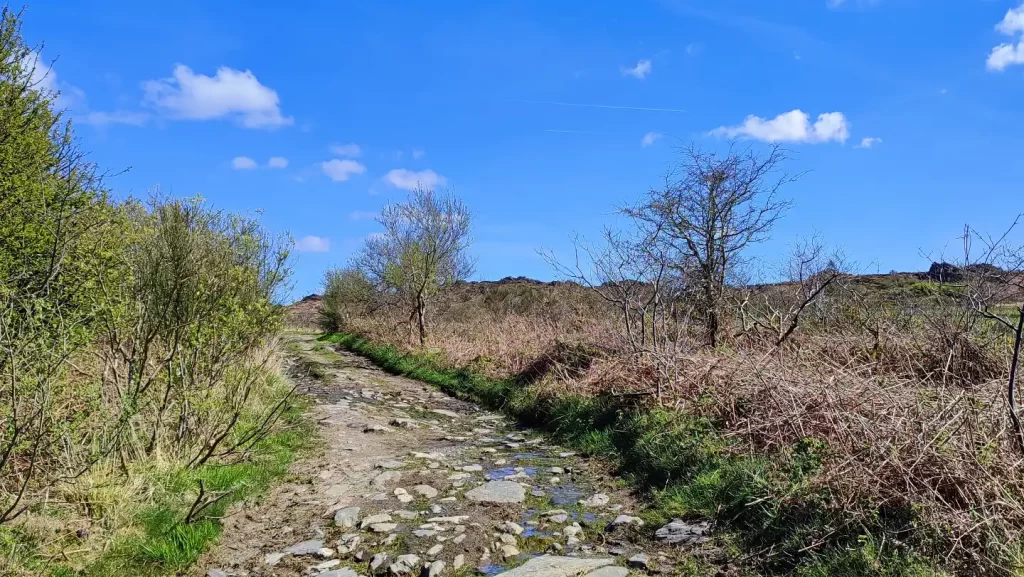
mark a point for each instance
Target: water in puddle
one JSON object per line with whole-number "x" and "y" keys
{"x": 499, "y": 474}
{"x": 565, "y": 494}
{"x": 491, "y": 569}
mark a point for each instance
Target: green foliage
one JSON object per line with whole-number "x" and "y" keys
{"x": 348, "y": 293}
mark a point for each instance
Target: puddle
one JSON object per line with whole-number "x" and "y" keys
{"x": 565, "y": 494}
{"x": 527, "y": 456}
{"x": 499, "y": 474}
{"x": 491, "y": 569}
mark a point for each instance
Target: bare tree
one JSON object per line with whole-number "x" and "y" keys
{"x": 779, "y": 308}
{"x": 712, "y": 208}
{"x": 422, "y": 251}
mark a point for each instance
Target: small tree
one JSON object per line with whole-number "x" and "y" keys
{"x": 711, "y": 209}
{"x": 422, "y": 251}
{"x": 348, "y": 293}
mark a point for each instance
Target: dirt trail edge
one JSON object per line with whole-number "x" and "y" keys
{"x": 413, "y": 482}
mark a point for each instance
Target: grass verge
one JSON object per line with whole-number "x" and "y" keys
{"x": 151, "y": 537}
{"x": 766, "y": 510}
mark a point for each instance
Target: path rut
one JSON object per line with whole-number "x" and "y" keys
{"x": 410, "y": 481}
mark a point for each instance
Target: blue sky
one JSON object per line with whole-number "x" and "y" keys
{"x": 543, "y": 116}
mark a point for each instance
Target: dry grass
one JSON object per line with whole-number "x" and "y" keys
{"x": 909, "y": 425}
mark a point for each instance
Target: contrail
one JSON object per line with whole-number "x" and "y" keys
{"x": 613, "y": 107}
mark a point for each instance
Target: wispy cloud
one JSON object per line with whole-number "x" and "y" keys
{"x": 243, "y": 163}
{"x": 349, "y": 150}
{"x": 868, "y": 142}
{"x": 313, "y": 243}
{"x": 1009, "y": 53}
{"x": 341, "y": 170}
{"x": 649, "y": 139}
{"x": 640, "y": 71}
{"x": 418, "y": 153}
{"x": 277, "y": 162}
{"x": 409, "y": 180}
{"x": 117, "y": 117}
{"x": 792, "y": 126}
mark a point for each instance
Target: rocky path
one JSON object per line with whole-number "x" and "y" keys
{"x": 413, "y": 482}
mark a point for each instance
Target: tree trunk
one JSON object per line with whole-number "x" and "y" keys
{"x": 421, "y": 321}
{"x": 1011, "y": 390}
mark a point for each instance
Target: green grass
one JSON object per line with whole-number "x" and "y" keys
{"x": 686, "y": 468}
{"x": 163, "y": 543}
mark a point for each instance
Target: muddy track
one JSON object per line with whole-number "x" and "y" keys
{"x": 411, "y": 481}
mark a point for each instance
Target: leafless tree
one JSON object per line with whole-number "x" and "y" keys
{"x": 422, "y": 251}
{"x": 778, "y": 308}
{"x": 711, "y": 208}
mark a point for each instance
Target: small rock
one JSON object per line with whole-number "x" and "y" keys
{"x": 216, "y": 573}
{"x": 327, "y": 565}
{"x": 390, "y": 464}
{"x": 572, "y": 530}
{"x": 445, "y": 413}
{"x": 565, "y": 455}
{"x": 347, "y": 517}
{"x": 639, "y": 561}
{"x": 404, "y": 423}
{"x": 471, "y": 468}
{"x": 459, "y": 539}
{"x": 374, "y": 519}
{"x": 428, "y": 456}
{"x": 624, "y": 520}
{"x": 510, "y": 527}
{"x": 597, "y": 500}
{"x": 424, "y": 533}
{"x": 458, "y": 562}
{"x": 383, "y": 527}
{"x": 385, "y": 478}
{"x": 378, "y": 561}
{"x": 408, "y": 515}
{"x": 507, "y": 539}
{"x": 554, "y": 566}
{"x": 681, "y": 532}
{"x": 557, "y": 471}
{"x": 497, "y": 492}
{"x": 404, "y": 565}
{"x": 376, "y": 429}
{"x": 339, "y": 573}
{"x": 538, "y": 493}
{"x": 425, "y": 491}
{"x": 605, "y": 572}
{"x": 433, "y": 551}
{"x": 436, "y": 509}
{"x": 404, "y": 496}
{"x": 509, "y": 551}
{"x": 311, "y": 547}
{"x": 554, "y": 480}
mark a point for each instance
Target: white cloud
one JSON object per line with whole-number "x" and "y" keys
{"x": 409, "y": 179}
{"x": 44, "y": 79}
{"x": 341, "y": 170}
{"x": 230, "y": 94}
{"x": 418, "y": 153}
{"x": 313, "y": 244}
{"x": 277, "y": 162}
{"x": 362, "y": 215}
{"x": 868, "y": 142}
{"x": 116, "y": 117}
{"x": 1008, "y": 53}
{"x": 792, "y": 126}
{"x": 641, "y": 70}
{"x": 649, "y": 139}
{"x": 350, "y": 150}
{"x": 243, "y": 163}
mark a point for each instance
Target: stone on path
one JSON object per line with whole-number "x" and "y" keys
{"x": 390, "y": 464}
{"x": 216, "y": 573}
{"x": 497, "y": 492}
{"x": 609, "y": 571}
{"x": 311, "y": 547}
{"x": 383, "y": 527}
{"x": 624, "y": 520}
{"x": 458, "y": 562}
{"x": 273, "y": 558}
{"x": 378, "y": 561}
{"x": 445, "y": 413}
{"x": 510, "y": 527}
{"x": 347, "y": 517}
{"x": 554, "y": 566}
{"x": 339, "y": 573}
{"x": 404, "y": 565}
{"x": 374, "y": 519}
{"x": 597, "y": 500}
{"x": 433, "y": 551}
{"x": 509, "y": 551}
{"x": 376, "y": 429}
{"x": 434, "y": 569}
{"x": 681, "y": 532}
{"x": 404, "y": 423}
{"x": 471, "y": 468}
{"x": 639, "y": 561}
{"x": 386, "y": 477}
{"x": 404, "y": 496}
{"x": 425, "y": 490}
